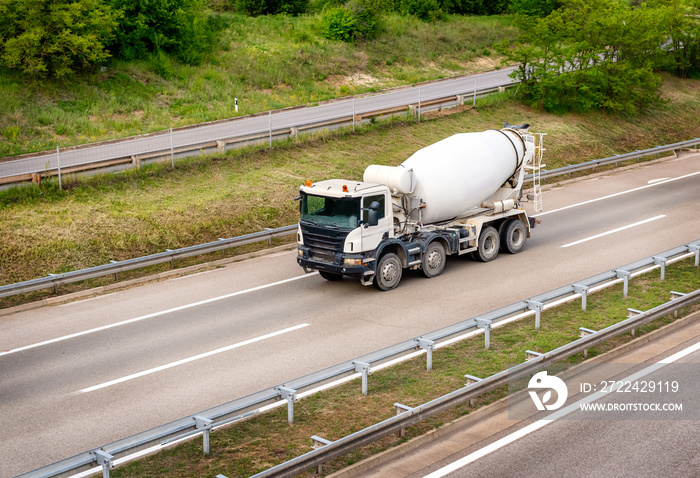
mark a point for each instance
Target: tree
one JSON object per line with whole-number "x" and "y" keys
{"x": 57, "y": 37}
{"x": 597, "y": 54}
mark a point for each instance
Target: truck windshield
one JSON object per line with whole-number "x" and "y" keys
{"x": 339, "y": 212}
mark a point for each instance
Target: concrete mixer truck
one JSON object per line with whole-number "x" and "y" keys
{"x": 461, "y": 195}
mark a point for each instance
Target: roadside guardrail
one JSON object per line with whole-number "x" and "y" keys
{"x": 241, "y": 131}
{"x": 55, "y": 280}
{"x": 288, "y": 392}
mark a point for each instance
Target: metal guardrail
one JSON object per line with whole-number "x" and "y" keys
{"x": 414, "y": 415}
{"x": 55, "y": 280}
{"x": 256, "y": 128}
{"x": 573, "y": 168}
{"x": 290, "y": 390}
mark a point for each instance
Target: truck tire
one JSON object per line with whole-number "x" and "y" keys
{"x": 433, "y": 259}
{"x": 489, "y": 244}
{"x": 388, "y": 272}
{"x": 330, "y": 276}
{"x": 513, "y": 236}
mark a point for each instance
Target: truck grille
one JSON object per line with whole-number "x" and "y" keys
{"x": 323, "y": 244}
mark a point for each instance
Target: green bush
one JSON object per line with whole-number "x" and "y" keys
{"x": 272, "y": 7}
{"x": 427, "y": 10}
{"x": 57, "y": 37}
{"x": 173, "y": 26}
{"x": 339, "y": 24}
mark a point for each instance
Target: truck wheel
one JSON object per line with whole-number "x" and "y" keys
{"x": 434, "y": 259}
{"x": 388, "y": 272}
{"x": 331, "y": 276}
{"x": 513, "y": 236}
{"x": 489, "y": 243}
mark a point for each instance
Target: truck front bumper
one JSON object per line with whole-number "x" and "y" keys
{"x": 353, "y": 265}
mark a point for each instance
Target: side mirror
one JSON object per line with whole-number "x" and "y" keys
{"x": 372, "y": 217}
{"x": 373, "y": 213}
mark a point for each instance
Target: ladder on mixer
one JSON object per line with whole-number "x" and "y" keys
{"x": 536, "y": 168}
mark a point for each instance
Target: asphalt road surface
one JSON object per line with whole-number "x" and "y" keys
{"x": 79, "y": 375}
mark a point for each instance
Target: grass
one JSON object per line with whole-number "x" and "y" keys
{"x": 265, "y": 440}
{"x": 267, "y": 62}
{"x": 139, "y": 212}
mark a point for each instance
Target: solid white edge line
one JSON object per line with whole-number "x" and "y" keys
{"x": 155, "y": 314}
{"x": 603, "y": 234}
{"x": 555, "y": 416}
{"x": 191, "y": 359}
{"x": 615, "y": 195}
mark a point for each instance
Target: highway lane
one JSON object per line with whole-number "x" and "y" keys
{"x": 42, "y": 385}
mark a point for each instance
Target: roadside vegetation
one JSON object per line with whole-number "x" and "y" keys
{"x": 263, "y": 441}
{"x": 139, "y": 212}
{"x": 266, "y": 62}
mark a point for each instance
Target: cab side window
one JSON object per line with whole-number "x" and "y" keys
{"x": 367, "y": 202}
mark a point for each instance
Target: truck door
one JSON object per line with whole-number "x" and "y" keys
{"x": 373, "y": 235}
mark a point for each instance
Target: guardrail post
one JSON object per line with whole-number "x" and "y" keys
{"x": 204, "y": 424}
{"x": 530, "y": 354}
{"x": 318, "y": 442}
{"x": 584, "y": 332}
{"x": 172, "y": 148}
{"x": 486, "y": 325}
{"x": 116, "y": 274}
{"x": 661, "y": 262}
{"x": 105, "y": 459}
{"x": 290, "y": 395}
{"x": 428, "y": 346}
{"x": 625, "y": 276}
{"x": 419, "y": 104}
{"x": 58, "y": 160}
{"x": 696, "y": 249}
{"x": 353, "y": 115}
{"x": 469, "y": 380}
{"x": 474, "y": 102}
{"x": 537, "y": 307}
{"x": 583, "y": 290}
{"x": 172, "y": 260}
{"x": 55, "y": 286}
{"x": 365, "y": 369}
{"x": 399, "y": 410}
{"x": 676, "y": 295}
{"x": 633, "y": 313}
{"x": 269, "y": 122}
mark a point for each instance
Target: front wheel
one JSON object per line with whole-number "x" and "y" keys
{"x": 388, "y": 272}
{"x": 331, "y": 276}
{"x": 433, "y": 260}
{"x": 489, "y": 243}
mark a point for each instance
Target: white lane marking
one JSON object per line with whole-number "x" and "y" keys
{"x": 654, "y": 181}
{"x": 155, "y": 314}
{"x": 616, "y": 194}
{"x": 629, "y": 226}
{"x": 191, "y": 359}
{"x": 555, "y": 416}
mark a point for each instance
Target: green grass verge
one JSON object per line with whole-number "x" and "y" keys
{"x": 135, "y": 213}
{"x": 266, "y": 440}
{"x": 267, "y": 62}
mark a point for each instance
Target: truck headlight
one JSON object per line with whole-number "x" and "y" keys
{"x": 352, "y": 262}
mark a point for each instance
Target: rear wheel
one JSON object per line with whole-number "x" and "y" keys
{"x": 331, "y": 276}
{"x": 489, "y": 243}
{"x": 433, "y": 259}
{"x": 513, "y": 236}
{"x": 388, "y": 272}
